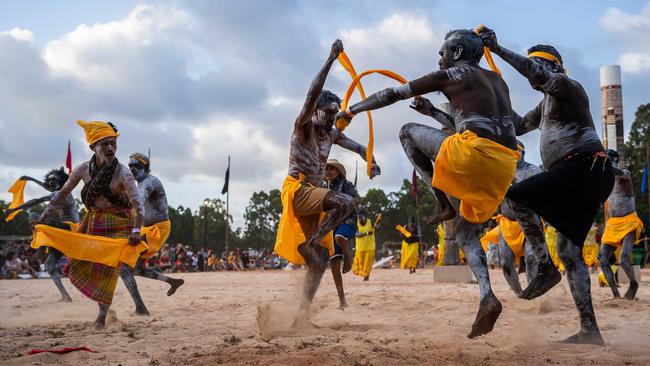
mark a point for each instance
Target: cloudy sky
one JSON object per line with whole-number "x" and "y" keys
{"x": 196, "y": 81}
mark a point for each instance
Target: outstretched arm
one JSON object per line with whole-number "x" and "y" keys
{"x": 434, "y": 81}
{"x": 317, "y": 85}
{"x": 349, "y": 144}
{"x": 30, "y": 203}
{"x": 60, "y": 196}
{"x": 26, "y": 177}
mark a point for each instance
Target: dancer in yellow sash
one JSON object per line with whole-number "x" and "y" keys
{"x": 476, "y": 164}
{"x": 364, "y": 255}
{"x": 156, "y": 231}
{"x": 622, "y": 229}
{"x": 309, "y": 212}
{"x": 410, "y": 246}
{"x": 115, "y": 210}
{"x": 65, "y": 217}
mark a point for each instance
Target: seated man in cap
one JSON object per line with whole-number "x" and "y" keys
{"x": 156, "y": 231}
{"x": 344, "y": 234}
{"x": 115, "y": 210}
{"x": 310, "y": 212}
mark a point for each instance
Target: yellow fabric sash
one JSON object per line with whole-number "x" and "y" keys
{"x": 513, "y": 235}
{"x": 617, "y": 228}
{"x": 547, "y": 56}
{"x": 441, "y": 245}
{"x": 410, "y": 253}
{"x": 156, "y": 234}
{"x": 365, "y": 242}
{"x": 341, "y": 124}
{"x": 551, "y": 242}
{"x": 402, "y": 230}
{"x": 491, "y": 236}
{"x": 475, "y": 170}
{"x": 18, "y": 197}
{"x": 93, "y": 248}
{"x": 488, "y": 54}
{"x": 290, "y": 233}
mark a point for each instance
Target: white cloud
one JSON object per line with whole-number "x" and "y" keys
{"x": 616, "y": 20}
{"x": 635, "y": 62}
{"x": 632, "y": 30}
{"x": 19, "y": 34}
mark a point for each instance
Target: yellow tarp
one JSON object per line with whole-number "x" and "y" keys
{"x": 290, "y": 233}
{"x": 156, "y": 234}
{"x": 18, "y": 197}
{"x": 617, "y": 228}
{"x": 475, "y": 170}
{"x": 92, "y": 248}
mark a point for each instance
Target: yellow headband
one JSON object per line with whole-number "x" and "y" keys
{"x": 97, "y": 130}
{"x": 547, "y": 56}
{"x": 144, "y": 162}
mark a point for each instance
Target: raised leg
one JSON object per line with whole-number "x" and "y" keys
{"x": 547, "y": 275}
{"x": 55, "y": 274}
{"x": 580, "y": 285}
{"x": 421, "y": 144}
{"x": 467, "y": 234}
{"x": 531, "y": 262}
{"x": 626, "y": 253}
{"x": 100, "y": 323}
{"x": 508, "y": 266}
{"x": 335, "y": 267}
{"x": 129, "y": 281}
{"x": 174, "y": 283}
{"x": 606, "y": 252}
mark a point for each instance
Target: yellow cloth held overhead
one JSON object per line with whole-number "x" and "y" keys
{"x": 92, "y": 248}
{"x": 513, "y": 235}
{"x": 402, "y": 230}
{"x": 341, "y": 124}
{"x": 475, "y": 170}
{"x": 547, "y": 56}
{"x": 617, "y": 228}
{"x": 290, "y": 233}
{"x": 97, "y": 130}
{"x": 156, "y": 234}
{"x": 488, "y": 54}
{"x": 18, "y": 197}
{"x": 491, "y": 236}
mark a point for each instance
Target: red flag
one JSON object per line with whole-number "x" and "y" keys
{"x": 68, "y": 159}
{"x": 414, "y": 182}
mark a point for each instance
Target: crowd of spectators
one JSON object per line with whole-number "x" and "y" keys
{"x": 20, "y": 260}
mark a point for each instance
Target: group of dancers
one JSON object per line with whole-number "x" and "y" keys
{"x": 474, "y": 163}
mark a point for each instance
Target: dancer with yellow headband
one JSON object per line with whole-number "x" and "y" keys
{"x": 115, "y": 210}
{"x": 66, "y": 216}
{"x": 310, "y": 212}
{"x": 622, "y": 229}
{"x": 577, "y": 180}
{"x": 476, "y": 163}
{"x": 156, "y": 230}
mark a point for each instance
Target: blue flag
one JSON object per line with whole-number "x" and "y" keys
{"x": 644, "y": 179}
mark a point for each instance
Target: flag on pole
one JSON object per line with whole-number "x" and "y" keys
{"x": 414, "y": 182}
{"x": 68, "y": 159}
{"x": 224, "y": 190}
{"x": 644, "y": 178}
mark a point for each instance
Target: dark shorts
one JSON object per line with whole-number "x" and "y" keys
{"x": 569, "y": 195}
{"x": 344, "y": 230}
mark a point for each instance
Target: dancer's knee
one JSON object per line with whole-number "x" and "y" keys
{"x": 405, "y": 132}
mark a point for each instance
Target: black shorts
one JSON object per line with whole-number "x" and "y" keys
{"x": 569, "y": 195}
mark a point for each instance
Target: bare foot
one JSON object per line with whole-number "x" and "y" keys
{"x": 175, "y": 284}
{"x": 631, "y": 292}
{"x": 546, "y": 277}
{"x": 441, "y": 216}
{"x": 366, "y": 278}
{"x": 582, "y": 337}
{"x": 100, "y": 324}
{"x": 488, "y": 313}
{"x": 343, "y": 305}
{"x": 141, "y": 311}
{"x": 315, "y": 255}
{"x": 66, "y": 299}
{"x": 302, "y": 322}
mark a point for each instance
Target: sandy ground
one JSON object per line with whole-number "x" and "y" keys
{"x": 396, "y": 318}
